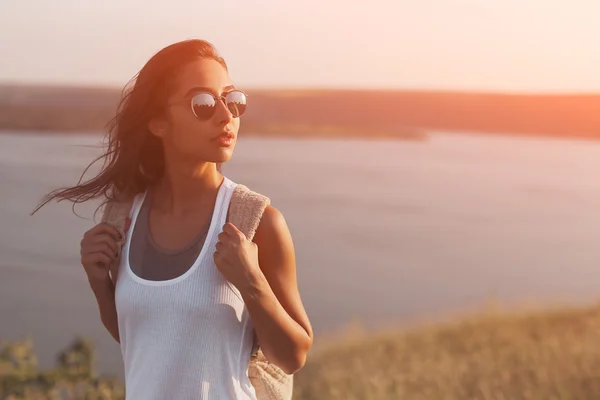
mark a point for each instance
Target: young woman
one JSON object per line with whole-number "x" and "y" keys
{"x": 191, "y": 289}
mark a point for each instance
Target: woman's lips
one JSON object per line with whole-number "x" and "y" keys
{"x": 225, "y": 139}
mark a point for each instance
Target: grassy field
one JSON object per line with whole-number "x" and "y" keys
{"x": 541, "y": 355}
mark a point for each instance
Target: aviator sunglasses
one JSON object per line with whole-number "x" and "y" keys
{"x": 204, "y": 104}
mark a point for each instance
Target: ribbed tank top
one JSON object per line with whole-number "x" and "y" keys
{"x": 189, "y": 337}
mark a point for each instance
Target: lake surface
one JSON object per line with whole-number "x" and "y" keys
{"x": 385, "y": 231}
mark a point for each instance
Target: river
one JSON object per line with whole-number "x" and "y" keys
{"x": 385, "y": 231}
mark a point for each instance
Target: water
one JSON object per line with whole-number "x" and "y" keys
{"x": 385, "y": 232}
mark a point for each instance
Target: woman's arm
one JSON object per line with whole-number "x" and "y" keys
{"x": 105, "y": 297}
{"x": 273, "y": 299}
{"x": 99, "y": 252}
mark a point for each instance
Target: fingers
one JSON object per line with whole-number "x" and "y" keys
{"x": 94, "y": 240}
{"x": 230, "y": 230}
{"x": 103, "y": 248}
{"x": 97, "y": 259}
{"x": 99, "y": 245}
{"x": 106, "y": 239}
{"x": 103, "y": 229}
{"x": 224, "y": 238}
{"x": 98, "y": 253}
{"x": 221, "y": 250}
{"x": 230, "y": 238}
{"x": 220, "y": 258}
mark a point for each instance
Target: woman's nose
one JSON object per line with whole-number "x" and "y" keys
{"x": 223, "y": 112}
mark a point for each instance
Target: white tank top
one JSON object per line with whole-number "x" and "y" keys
{"x": 189, "y": 337}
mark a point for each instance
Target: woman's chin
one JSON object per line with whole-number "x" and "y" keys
{"x": 223, "y": 155}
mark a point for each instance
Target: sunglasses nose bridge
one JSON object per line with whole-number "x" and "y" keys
{"x": 223, "y": 100}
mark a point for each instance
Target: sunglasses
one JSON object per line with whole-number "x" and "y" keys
{"x": 204, "y": 104}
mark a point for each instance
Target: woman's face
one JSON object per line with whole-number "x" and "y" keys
{"x": 212, "y": 137}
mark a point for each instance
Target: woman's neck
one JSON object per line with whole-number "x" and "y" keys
{"x": 183, "y": 188}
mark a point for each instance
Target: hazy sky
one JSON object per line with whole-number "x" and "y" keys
{"x": 508, "y": 45}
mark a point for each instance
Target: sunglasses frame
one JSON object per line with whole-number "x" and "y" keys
{"x": 222, "y": 98}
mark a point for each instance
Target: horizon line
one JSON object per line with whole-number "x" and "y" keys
{"x": 323, "y": 88}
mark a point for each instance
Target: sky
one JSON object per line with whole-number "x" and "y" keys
{"x": 482, "y": 45}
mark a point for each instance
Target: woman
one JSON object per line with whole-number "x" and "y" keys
{"x": 183, "y": 333}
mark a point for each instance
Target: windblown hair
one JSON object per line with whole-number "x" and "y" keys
{"x": 134, "y": 157}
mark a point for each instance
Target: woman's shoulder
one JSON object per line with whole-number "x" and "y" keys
{"x": 252, "y": 211}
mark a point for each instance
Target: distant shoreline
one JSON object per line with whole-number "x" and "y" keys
{"x": 316, "y": 134}
{"x": 364, "y": 114}
{"x": 416, "y": 136}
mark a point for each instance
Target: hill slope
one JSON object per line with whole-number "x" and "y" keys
{"x": 546, "y": 355}
{"x": 541, "y": 356}
{"x": 354, "y": 113}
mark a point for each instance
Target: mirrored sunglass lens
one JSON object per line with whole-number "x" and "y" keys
{"x": 203, "y": 105}
{"x": 236, "y": 103}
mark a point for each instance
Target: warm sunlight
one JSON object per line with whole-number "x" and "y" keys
{"x": 511, "y": 45}
{"x": 286, "y": 192}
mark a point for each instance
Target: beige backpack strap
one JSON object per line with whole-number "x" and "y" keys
{"x": 117, "y": 215}
{"x": 246, "y": 209}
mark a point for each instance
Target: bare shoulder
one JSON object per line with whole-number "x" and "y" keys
{"x": 272, "y": 220}
{"x": 276, "y": 253}
{"x": 273, "y": 232}
{"x": 277, "y": 260}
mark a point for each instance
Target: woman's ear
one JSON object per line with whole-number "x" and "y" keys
{"x": 158, "y": 127}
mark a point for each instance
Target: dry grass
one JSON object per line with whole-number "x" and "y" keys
{"x": 547, "y": 355}
{"x": 542, "y": 355}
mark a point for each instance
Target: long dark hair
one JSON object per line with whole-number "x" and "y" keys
{"x": 134, "y": 158}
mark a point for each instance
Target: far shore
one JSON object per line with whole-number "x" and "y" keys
{"x": 364, "y": 114}
{"x": 313, "y": 133}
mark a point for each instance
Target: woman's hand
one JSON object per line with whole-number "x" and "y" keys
{"x": 271, "y": 296}
{"x": 99, "y": 250}
{"x": 236, "y": 257}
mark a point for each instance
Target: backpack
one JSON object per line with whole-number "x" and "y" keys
{"x": 245, "y": 211}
